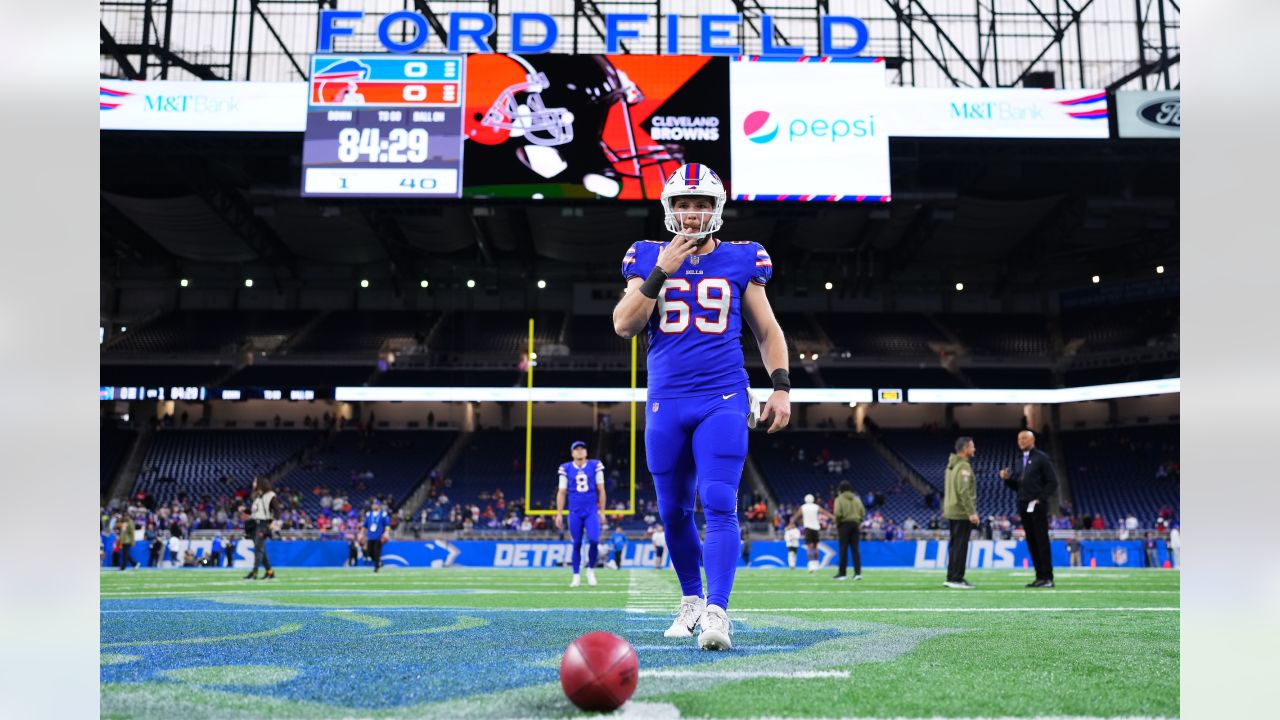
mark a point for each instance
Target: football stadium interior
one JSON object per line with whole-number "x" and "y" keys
{"x": 440, "y": 353}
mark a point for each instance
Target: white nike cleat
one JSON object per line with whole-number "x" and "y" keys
{"x": 591, "y": 577}
{"x": 688, "y": 615}
{"x": 716, "y": 629}
{"x": 576, "y": 581}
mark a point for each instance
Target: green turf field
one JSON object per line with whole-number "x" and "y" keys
{"x": 454, "y": 643}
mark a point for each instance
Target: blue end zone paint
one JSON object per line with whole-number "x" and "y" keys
{"x": 345, "y": 664}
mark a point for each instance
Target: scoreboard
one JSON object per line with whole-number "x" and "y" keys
{"x": 384, "y": 126}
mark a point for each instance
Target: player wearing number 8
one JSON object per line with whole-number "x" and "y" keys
{"x": 582, "y": 481}
{"x": 692, "y": 293}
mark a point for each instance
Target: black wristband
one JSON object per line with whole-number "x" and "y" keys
{"x": 781, "y": 380}
{"x": 653, "y": 286}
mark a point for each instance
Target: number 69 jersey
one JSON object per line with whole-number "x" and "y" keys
{"x": 582, "y": 482}
{"x": 694, "y": 332}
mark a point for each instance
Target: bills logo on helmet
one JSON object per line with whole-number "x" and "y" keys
{"x": 760, "y": 127}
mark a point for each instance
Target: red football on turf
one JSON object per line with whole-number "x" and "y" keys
{"x": 599, "y": 671}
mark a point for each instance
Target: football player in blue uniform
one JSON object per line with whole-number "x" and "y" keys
{"x": 582, "y": 481}
{"x": 691, "y": 294}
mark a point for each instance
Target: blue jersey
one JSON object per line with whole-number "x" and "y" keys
{"x": 695, "y": 345}
{"x": 581, "y": 482}
{"x": 619, "y": 541}
{"x": 375, "y": 524}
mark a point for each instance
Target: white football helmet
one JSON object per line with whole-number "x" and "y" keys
{"x": 693, "y": 179}
{"x": 539, "y": 124}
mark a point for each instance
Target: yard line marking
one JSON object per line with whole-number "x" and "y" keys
{"x": 687, "y": 648}
{"x": 745, "y": 674}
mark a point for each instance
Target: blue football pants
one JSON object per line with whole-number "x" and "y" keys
{"x": 588, "y": 520}
{"x": 695, "y": 448}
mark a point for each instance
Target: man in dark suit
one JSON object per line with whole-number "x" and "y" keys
{"x": 1035, "y": 481}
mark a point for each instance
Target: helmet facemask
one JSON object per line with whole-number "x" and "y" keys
{"x": 709, "y": 221}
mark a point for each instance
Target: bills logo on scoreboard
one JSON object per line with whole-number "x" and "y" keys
{"x": 385, "y": 81}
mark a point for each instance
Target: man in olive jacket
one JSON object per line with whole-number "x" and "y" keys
{"x": 849, "y": 514}
{"x": 960, "y": 508}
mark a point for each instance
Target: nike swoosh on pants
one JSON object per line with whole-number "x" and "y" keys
{"x": 726, "y": 397}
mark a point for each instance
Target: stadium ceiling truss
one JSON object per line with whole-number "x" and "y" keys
{"x": 1129, "y": 44}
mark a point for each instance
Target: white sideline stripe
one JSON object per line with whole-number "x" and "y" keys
{"x": 632, "y": 601}
{"x": 846, "y": 610}
{"x": 939, "y": 717}
{"x": 745, "y": 674}
{"x": 855, "y": 610}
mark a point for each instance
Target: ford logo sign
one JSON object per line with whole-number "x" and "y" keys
{"x": 1163, "y": 113}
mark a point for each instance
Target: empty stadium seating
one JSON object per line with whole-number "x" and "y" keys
{"x": 114, "y": 443}
{"x": 790, "y": 478}
{"x": 1113, "y": 471}
{"x": 357, "y": 331}
{"x": 896, "y": 335}
{"x": 927, "y": 452}
{"x": 1004, "y": 335}
{"x": 207, "y": 330}
{"x": 486, "y": 331}
{"x": 214, "y": 462}
{"x": 1123, "y": 326}
{"x": 398, "y": 461}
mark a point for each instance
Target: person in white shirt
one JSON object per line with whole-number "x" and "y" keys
{"x": 261, "y": 515}
{"x": 792, "y": 538}
{"x": 810, "y": 513}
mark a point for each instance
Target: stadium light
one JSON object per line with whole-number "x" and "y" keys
{"x": 815, "y": 356}
{"x": 1096, "y": 279}
{"x": 829, "y": 286}
{"x": 959, "y": 287}
{"x": 533, "y": 356}
{"x": 423, "y": 284}
{"x": 364, "y": 283}
{"x": 248, "y": 282}
{"x": 1159, "y": 269}
{"x": 124, "y": 328}
{"x": 542, "y": 284}
{"x": 184, "y": 282}
{"x": 801, "y": 356}
{"x": 471, "y": 283}
{"x": 853, "y": 404}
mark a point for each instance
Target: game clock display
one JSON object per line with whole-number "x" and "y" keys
{"x": 384, "y": 126}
